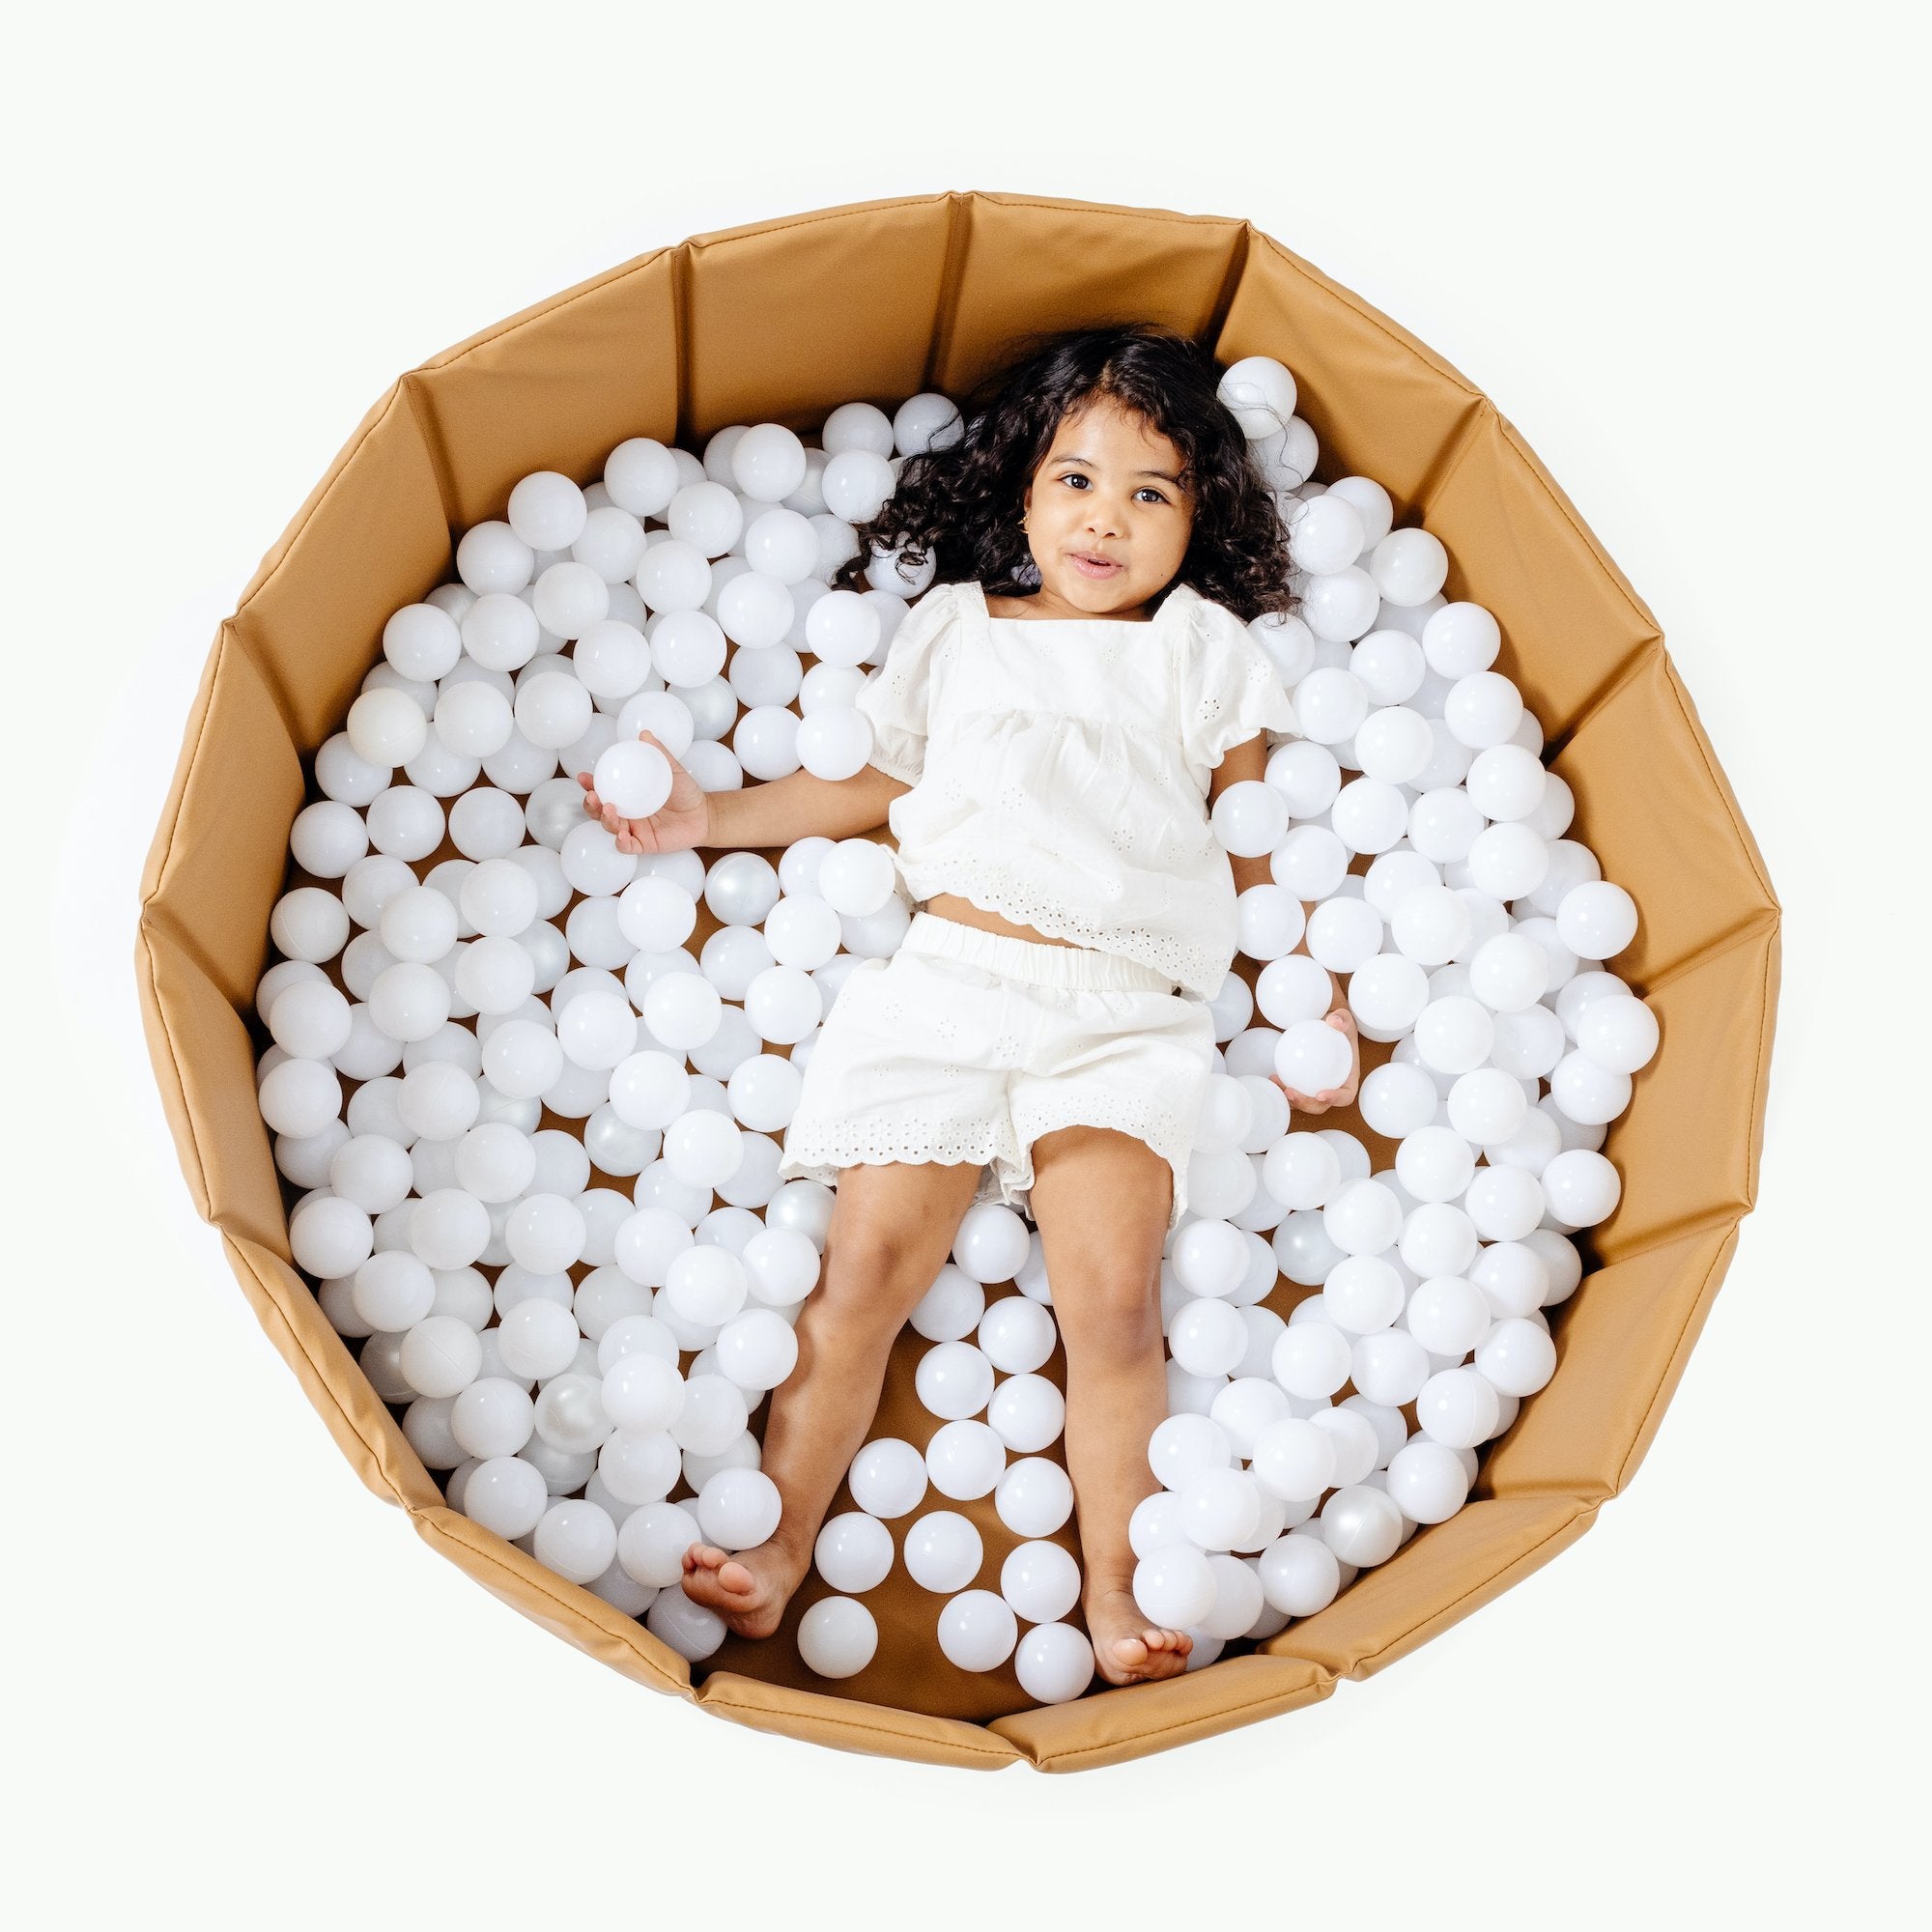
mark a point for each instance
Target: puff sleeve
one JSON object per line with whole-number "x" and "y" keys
{"x": 896, "y": 698}
{"x": 1229, "y": 688}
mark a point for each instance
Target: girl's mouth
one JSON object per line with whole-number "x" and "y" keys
{"x": 1090, "y": 566}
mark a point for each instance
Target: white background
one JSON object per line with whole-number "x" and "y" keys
{"x": 1673, "y": 246}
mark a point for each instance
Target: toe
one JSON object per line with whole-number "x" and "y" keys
{"x": 1167, "y": 1652}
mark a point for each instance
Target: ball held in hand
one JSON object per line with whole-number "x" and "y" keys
{"x": 632, "y": 778}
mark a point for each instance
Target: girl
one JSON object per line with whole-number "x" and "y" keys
{"x": 1051, "y": 727}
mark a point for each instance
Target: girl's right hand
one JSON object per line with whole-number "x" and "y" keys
{"x": 682, "y": 821}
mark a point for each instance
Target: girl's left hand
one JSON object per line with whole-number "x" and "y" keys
{"x": 1343, "y": 1022}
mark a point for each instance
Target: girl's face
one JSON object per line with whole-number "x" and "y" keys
{"x": 1110, "y": 489}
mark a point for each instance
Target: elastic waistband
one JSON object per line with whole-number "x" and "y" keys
{"x": 1078, "y": 968}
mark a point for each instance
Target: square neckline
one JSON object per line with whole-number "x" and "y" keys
{"x": 988, "y": 617}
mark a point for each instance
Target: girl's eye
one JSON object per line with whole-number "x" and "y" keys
{"x": 1074, "y": 477}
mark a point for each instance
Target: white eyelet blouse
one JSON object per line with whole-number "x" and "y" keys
{"x": 1060, "y": 768}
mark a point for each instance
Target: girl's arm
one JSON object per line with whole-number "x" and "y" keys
{"x": 799, "y": 806}
{"x": 760, "y": 816}
{"x": 1249, "y": 760}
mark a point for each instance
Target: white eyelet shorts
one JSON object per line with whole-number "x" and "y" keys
{"x": 967, "y": 1045}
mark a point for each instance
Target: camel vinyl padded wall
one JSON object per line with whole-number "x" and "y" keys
{"x": 780, "y": 321}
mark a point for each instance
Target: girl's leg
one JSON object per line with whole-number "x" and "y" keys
{"x": 1102, "y": 1201}
{"x": 893, "y": 1227}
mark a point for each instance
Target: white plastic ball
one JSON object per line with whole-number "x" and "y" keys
{"x": 1175, "y": 1586}
{"x": 1041, "y": 1580}
{"x": 837, "y": 1637}
{"x": 577, "y": 1539}
{"x": 942, "y": 1551}
{"x": 505, "y": 1495}
{"x": 1362, "y": 1525}
{"x": 547, "y": 510}
{"x": 1312, "y": 1056}
{"x": 738, "y": 1509}
{"x": 887, "y": 1477}
{"x": 1027, "y": 1412}
{"x": 964, "y": 1460}
{"x": 955, "y": 1380}
{"x": 1517, "y": 1356}
{"x": 1054, "y": 1662}
{"x": 1294, "y": 1460}
{"x": 1409, "y": 566}
{"x": 1597, "y": 919}
{"x": 1618, "y": 1032}
{"x": 1034, "y": 1496}
{"x": 1582, "y": 1186}
{"x": 977, "y": 1630}
{"x": 634, "y": 779}
{"x": 853, "y": 1551}
{"x": 570, "y": 1417}
{"x": 652, "y": 1541}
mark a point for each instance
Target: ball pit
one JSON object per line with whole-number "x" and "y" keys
{"x": 778, "y": 324}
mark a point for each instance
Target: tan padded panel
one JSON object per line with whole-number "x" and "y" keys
{"x": 1676, "y": 1147}
{"x": 1589, "y": 1437}
{"x": 204, "y": 1058}
{"x": 860, "y": 301}
{"x": 1031, "y": 265}
{"x": 372, "y": 537}
{"x": 1570, "y": 624}
{"x": 1451, "y": 1569}
{"x": 361, "y": 1423}
{"x": 557, "y": 387}
{"x": 1381, "y": 403}
{"x": 242, "y": 801}
{"x": 1653, "y": 805}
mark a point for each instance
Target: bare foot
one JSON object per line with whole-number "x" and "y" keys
{"x": 1127, "y": 1649}
{"x": 748, "y": 1590}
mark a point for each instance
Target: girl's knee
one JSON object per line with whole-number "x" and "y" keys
{"x": 872, "y": 1279}
{"x": 896, "y": 1221}
{"x": 1108, "y": 1319}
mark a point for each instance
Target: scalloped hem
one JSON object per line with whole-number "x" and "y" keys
{"x": 819, "y": 1156}
{"x": 1081, "y": 1113}
{"x": 988, "y": 887}
{"x": 1009, "y": 1174}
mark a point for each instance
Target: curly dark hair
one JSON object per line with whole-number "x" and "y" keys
{"x": 963, "y": 499}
